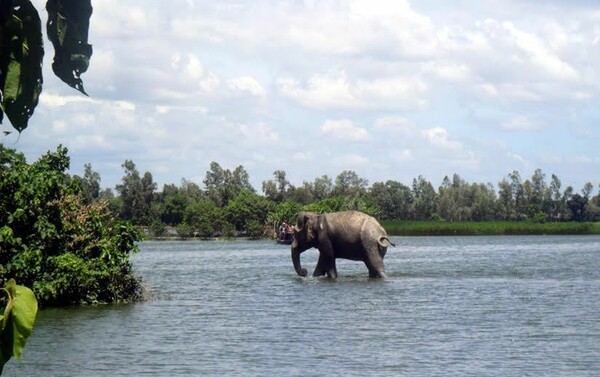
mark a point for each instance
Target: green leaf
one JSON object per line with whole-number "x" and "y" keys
{"x": 17, "y": 321}
{"x": 21, "y": 63}
{"x": 67, "y": 28}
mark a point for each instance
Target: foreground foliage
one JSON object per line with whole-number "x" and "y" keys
{"x": 16, "y": 320}
{"x": 22, "y": 52}
{"x": 66, "y": 251}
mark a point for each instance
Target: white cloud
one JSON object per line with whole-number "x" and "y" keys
{"x": 343, "y": 130}
{"x": 396, "y": 126}
{"x": 438, "y": 137}
{"x": 583, "y": 159}
{"x": 192, "y": 70}
{"x": 53, "y": 100}
{"x": 540, "y": 54}
{"x": 399, "y": 92}
{"x": 350, "y": 161}
{"x": 104, "y": 61}
{"x": 448, "y": 71}
{"x": 258, "y": 133}
{"x": 402, "y": 155}
{"x": 59, "y": 126}
{"x": 335, "y": 90}
{"x": 301, "y": 157}
{"x": 551, "y": 159}
{"x": 392, "y": 122}
{"x": 161, "y": 109}
{"x": 518, "y": 158}
{"x": 246, "y": 84}
{"x": 115, "y": 19}
{"x": 331, "y": 90}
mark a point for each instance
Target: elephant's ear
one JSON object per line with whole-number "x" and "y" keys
{"x": 305, "y": 219}
{"x": 301, "y": 221}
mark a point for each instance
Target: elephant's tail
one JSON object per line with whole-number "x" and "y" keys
{"x": 382, "y": 241}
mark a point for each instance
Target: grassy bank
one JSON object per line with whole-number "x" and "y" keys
{"x": 438, "y": 228}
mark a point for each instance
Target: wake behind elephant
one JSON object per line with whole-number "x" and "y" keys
{"x": 350, "y": 235}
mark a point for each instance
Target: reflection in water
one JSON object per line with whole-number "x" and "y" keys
{"x": 450, "y": 306}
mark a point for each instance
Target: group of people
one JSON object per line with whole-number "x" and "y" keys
{"x": 285, "y": 231}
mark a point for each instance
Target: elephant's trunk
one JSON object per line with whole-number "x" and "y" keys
{"x": 296, "y": 260}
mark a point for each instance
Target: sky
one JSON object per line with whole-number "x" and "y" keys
{"x": 388, "y": 89}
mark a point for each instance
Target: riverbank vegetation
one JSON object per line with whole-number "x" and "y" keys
{"x": 66, "y": 249}
{"x": 227, "y": 204}
{"x": 487, "y": 228}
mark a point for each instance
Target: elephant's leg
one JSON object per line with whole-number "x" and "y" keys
{"x": 320, "y": 269}
{"x": 326, "y": 259}
{"x": 325, "y": 266}
{"x": 332, "y": 271}
{"x": 375, "y": 265}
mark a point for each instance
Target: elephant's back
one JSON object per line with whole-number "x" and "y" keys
{"x": 354, "y": 231}
{"x": 346, "y": 223}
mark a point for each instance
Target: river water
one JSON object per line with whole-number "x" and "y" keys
{"x": 451, "y": 306}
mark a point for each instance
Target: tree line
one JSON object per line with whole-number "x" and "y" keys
{"x": 227, "y": 204}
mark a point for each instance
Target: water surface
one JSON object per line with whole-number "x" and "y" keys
{"x": 451, "y": 306}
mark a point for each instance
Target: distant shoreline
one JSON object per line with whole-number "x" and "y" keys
{"x": 444, "y": 228}
{"x": 487, "y": 228}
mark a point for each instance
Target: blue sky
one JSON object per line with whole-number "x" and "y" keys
{"x": 389, "y": 89}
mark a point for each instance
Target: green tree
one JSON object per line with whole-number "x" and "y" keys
{"x": 202, "y": 218}
{"x": 449, "y": 201}
{"x": 392, "y": 198}
{"x": 191, "y": 190}
{"x": 240, "y": 180}
{"x": 333, "y": 204}
{"x": 577, "y": 204}
{"x": 425, "y": 196}
{"x": 137, "y": 195}
{"x": 322, "y": 187}
{"x": 285, "y": 211}
{"x": 538, "y": 190}
{"x": 277, "y": 189}
{"x": 566, "y": 196}
{"x": 214, "y": 183}
{"x": 173, "y": 204}
{"x": 555, "y": 208}
{"x": 254, "y": 229}
{"x": 484, "y": 199}
{"x": 247, "y": 207}
{"x": 303, "y": 194}
{"x": 518, "y": 195}
{"x": 66, "y": 251}
{"x": 158, "y": 228}
{"x": 222, "y": 185}
{"x": 506, "y": 203}
{"x": 148, "y": 191}
{"x": 89, "y": 184}
{"x": 348, "y": 183}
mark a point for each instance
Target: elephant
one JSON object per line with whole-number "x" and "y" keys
{"x": 349, "y": 234}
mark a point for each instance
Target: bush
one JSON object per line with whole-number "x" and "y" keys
{"x": 254, "y": 229}
{"x": 65, "y": 251}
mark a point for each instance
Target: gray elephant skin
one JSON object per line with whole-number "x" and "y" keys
{"x": 350, "y": 235}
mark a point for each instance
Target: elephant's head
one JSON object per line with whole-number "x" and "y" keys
{"x": 305, "y": 237}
